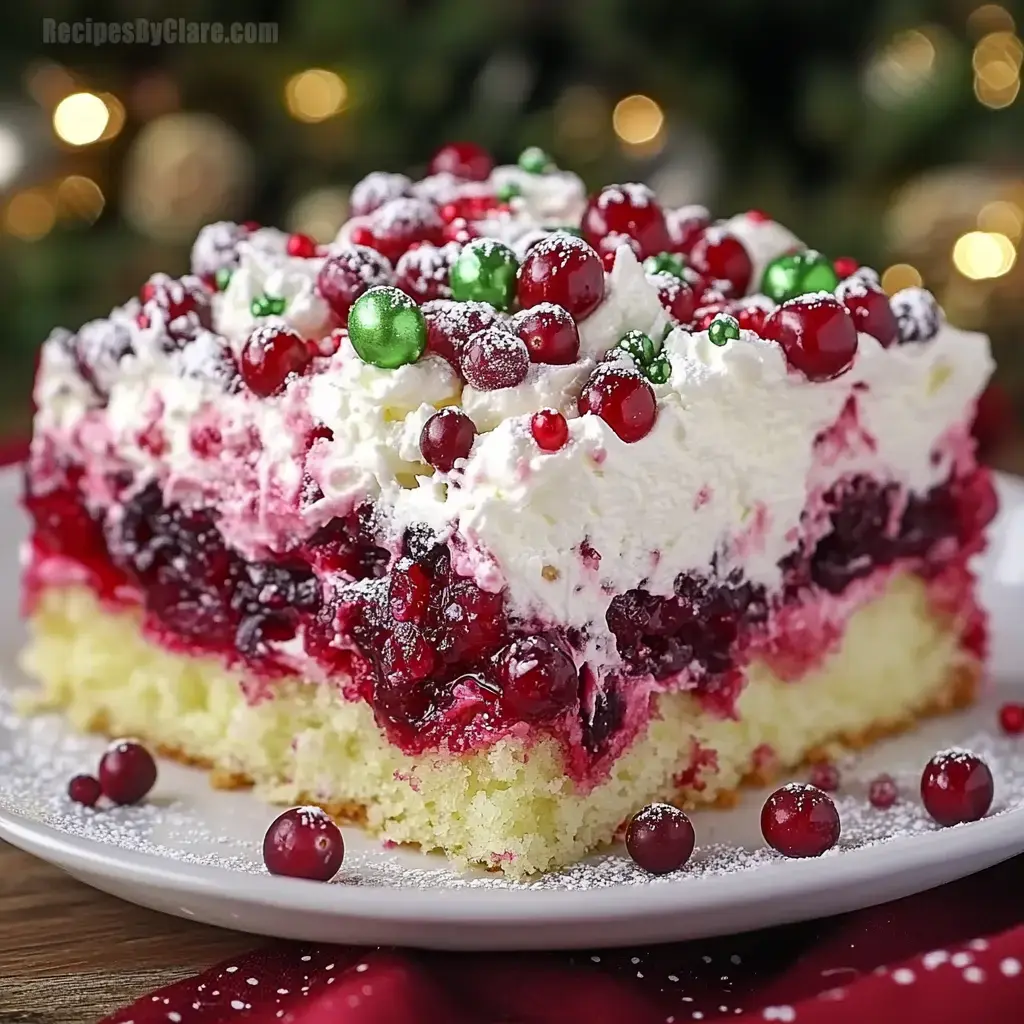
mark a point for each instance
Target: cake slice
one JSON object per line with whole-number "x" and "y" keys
{"x": 508, "y": 512}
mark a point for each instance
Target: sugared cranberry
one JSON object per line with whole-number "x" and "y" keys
{"x": 873, "y": 315}
{"x": 623, "y": 399}
{"x": 562, "y": 269}
{"x": 844, "y": 266}
{"x": 450, "y": 324}
{"x": 956, "y": 786}
{"x": 608, "y": 249}
{"x": 825, "y": 776}
{"x": 549, "y": 429}
{"x": 675, "y": 296}
{"x": 800, "y": 821}
{"x": 538, "y": 679}
{"x": 409, "y": 591}
{"x": 447, "y": 437}
{"x": 85, "y": 790}
{"x": 349, "y": 271}
{"x": 400, "y": 223}
{"x": 629, "y": 209}
{"x": 127, "y": 772}
{"x": 660, "y": 838}
{"x": 882, "y": 792}
{"x": 458, "y": 230}
{"x": 685, "y": 226}
{"x": 493, "y": 359}
{"x": 423, "y": 271}
{"x": 549, "y": 332}
{"x": 817, "y": 334}
{"x": 269, "y": 356}
{"x": 304, "y": 843}
{"x": 301, "y": 245}
{"x": 377, "y": 188}
{"x": 1011, "y": 719}
{"x": 720, "y": 256}
{"x": 465, "y": 160}
{"x": 750, "y": 315}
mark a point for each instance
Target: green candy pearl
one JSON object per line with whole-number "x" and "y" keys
{"x": 223, "y": 278}
{"x": 485, "y": 272}
{"x": 508, "y": 191}
{"x": 723, "y": 328}
{"x": 267, "y": 305}
{"x": 659, "y": 370}
{"x": 534, "y": 160}
{"x": 798, "y": 273}
{"x": 638, "y": 346}
{"x": 665, "y": 263}
{"x": 386, "y": 328}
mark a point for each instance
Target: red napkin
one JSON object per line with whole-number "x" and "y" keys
{"x": 949, "y": 956}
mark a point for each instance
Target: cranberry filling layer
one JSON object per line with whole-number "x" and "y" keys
{"x": 442, "y": 661}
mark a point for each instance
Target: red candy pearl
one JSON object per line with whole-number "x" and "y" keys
{"x": 660, "y": 838}
{"x": 629, "y": 209}
{"x": 719, "y": 256}
{"x": 825, "y": 776}
{"x": 538, "y": 679}
{"x": 85, "y": 790}
{"x": 549, "y": 430}
{"x": 1011, "y": 719}
{"x": 623, "y": 399}
{"x": 447, "y": 437}
{"x": 817, "y": 335}
{"x": 465, "y": 160}
{"x": 873, "y": 315}
{"x": 493, "y": 359}
{"x": 800, "y": 821}
{"x": 844, "y": 266}
{"x": 675, "y": 296}
{"x": 301, "y": 245}
{"x": 450, "y": 324}
{"x": 549, "y": 332}
{"x": 304, "y": 843}
{"x": 127, "y": 772}
{"x": 956, "y": 786}
{"x": 349, "y": 271}
{"x": 882, "y": 792}
{"x": 564, "y": 270}
{"x": 270, "y": 356}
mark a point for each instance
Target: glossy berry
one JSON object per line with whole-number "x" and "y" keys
{"x": 85, "y": 790}
{"x": 800, "y": 821}
{"x": 464, "y": 160}
{"x": 564, "y": 270}
{"x": 825, "y": 776}
{"x": 493, "y": 359}
{"x": 423, "y": 271}
{"x": 675, "y": 295}
{"x": 623, "y": 399}
{"x": 873, "y": 315}
{"x": 450, "y": 324}
{"x": 269, "y": 356}
{"x": 844, "y": 266}
{"x": 608, "y": 249}
{"x": 348, "y": 272}
{"x": 304, "y": 843}
{"x": 447, "y": 437}
{"x": 882, "y": 792}
{"x": 301, "y": 245}
{"x": 685, "y": 226}
{"x": 549, "y": 430}
{"x": 538, "y": 679}
{"x": 956, "y": 786}
{"x": 1011, "y": 719}
{"x": 549, "y": 332}
{"x": 400, "y": 223}
{"x": 817, "y": 335}
{"x": 660, "y": 838}
{"x": 629, "y": 209}
{"x": 377, "y": 188}
{"x": 127, "y": 772}
{"x": 720, "y": 256}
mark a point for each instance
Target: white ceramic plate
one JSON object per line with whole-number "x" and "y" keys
{"x": 194, "y": 852}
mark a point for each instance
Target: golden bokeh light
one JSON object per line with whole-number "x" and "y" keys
{"x": 320, "y": 213}
{"x": 989, "y": 18}
{"x": 115, "y": 116}
{"x": 637, "y": 120}
{"x": 315, "y": 95}
{"x": 900, "y": 276}
{"x": 904, "y": 67}
{"x": 982, "y": 255}
{"x": 81, "y": 118}
{"x": 581, "y": 121}
{"x": 79, "y": 198}
{"x": 29, "y": 215}
{"x": 995, "y": 99}
{"x": 1003, "y": 217}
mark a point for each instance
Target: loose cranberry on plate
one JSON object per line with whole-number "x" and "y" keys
{"x": 629, "y": 209}
{"x": 825, "y": 776}
{"x": 85, "y": 790}
{"x": 464, "y": 160}
{"x": 660, "y": 838}
{"x": 549, "y": 430}
{"x": 127, "y": 772}
{"x": 882, "y": 792}
{"x": 270, "y": 355}
{"x": 817, "y": 335}
{"x": 1011, "y": 719}
{"x": 304, "y": 843}
{"x": 564, "y": 270}
{"x": 623, "y": 399}
{"x": 447, "y": 437}
{"x": 538, "y": 679}
{"x": 348, "y": 271}
{"x": 800, "y": 821}
{"x": 956, "y": 786}
{"x": 718, "y": 255}
{"x": 549, "y": 332}
{"x": 493, "y": 359}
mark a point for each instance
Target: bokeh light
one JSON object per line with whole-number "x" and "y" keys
{"x": 637, "y": 120}
{"x": 12, "y": 155}
{"x": 997, "y": 62}
{"x": 320, "y": 213}
{"x": 989, "y": 18}
{"x": 81, "y": 118}
{"x": 1002, "y": 216}
{"x": 982, "y": 255}
{"x": 900, "y": 276}
{"x": 904, "y": 68}
{"x": 79, "y": 198}
{"x": 29, "y": 215}
{"x": 315, "y": 95}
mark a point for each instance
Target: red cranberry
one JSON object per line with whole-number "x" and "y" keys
{"x": 304, "y": 843}
{"x": 269, "y": 356}
{"x": 564, "y": 270}
{"x": 549, "y": 430}
{"x": 882, "y": 792}
{"x": 447, "y": 437}
{"x": 127, "y": 772}
{"x": 675, "y": 295}
{"x": 458, "y": 230}
{"x": 825, "y": 776}
{"x": 85, "y": 790}
{"x": 177, "y": 297}
{"x": 873, "y": 315}
{"x": 423, "y": 271}
{"x": 685, "y": 226}
{"x": 1011, "y": 719}
{"x": 800, "y": 821}
{"x": 450, "y": 324}
{"x": 349, "y": 271}
{"x": 660, "y": 838}
{"x": 750, "y": 316}
{"x": 408, "y": 590}
{"x": 362, "y": 234}
{"x": 758, "y": 216}
{"x": 493, "y": 359}
{"x": 538, "y": 679}
{"x": 608, "y": 248}
{"x": 399, "y": 223}
{"x": 629, "y": 209}
{"x": 623, "y": 399}
{"x": 720, "y": 256}
{"x": 844, "y": 266}
{"x": 377, "y": 188}
{"x": 817, "y": 334}
{"x": 549, "y": 332}
{"x": 301, "y": 245}
{"x": 465, "y": 160}
{"x": 956, "y": 786}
